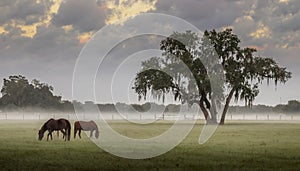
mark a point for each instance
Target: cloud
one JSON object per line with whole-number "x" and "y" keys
{"x": 261, "y": 32}
{"x": 272, "y": 23}
{"x": 42, "y": 38}
{"x": 83, "y": 15}
{"x": 122, "y": 10}
{"x": 20, "y": 10}
{"x": 27, "y": 15}
{"x": 205, "y": 14}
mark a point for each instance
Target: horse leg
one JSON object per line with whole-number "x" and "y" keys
{"x": 75, "y": 131}
{"x": 49, "y": 134}
{"x": 91, "y": 133}
{"x": 79, "y": 133}
{"x": 64, "y": 134}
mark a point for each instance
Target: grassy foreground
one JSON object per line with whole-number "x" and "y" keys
{"x": 235, "y": 146}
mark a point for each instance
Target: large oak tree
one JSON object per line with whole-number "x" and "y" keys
{"x": 242, "y": 71}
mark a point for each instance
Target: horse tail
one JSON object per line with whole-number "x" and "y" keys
{"x": 97, "y": 130}
{"x": 75, "y": 128}
{"x": 68, "y": 129}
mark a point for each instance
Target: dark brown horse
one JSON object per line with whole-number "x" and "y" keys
{"x": 86, "y": 126}
{"x": 51, "y": 125}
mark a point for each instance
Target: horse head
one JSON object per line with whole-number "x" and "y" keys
{"x": 97, "y": 134}
{"x": 41, "y": 135}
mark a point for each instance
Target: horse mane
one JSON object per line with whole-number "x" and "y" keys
{"x": 45, "y": 124}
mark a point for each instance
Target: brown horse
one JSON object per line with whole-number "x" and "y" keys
{"x": 51, "y": 125}
{"x": 86, "y": 126}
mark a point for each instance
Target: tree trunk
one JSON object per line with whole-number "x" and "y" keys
{"x": 228, "y": 99}
{"x": 203, "y": 109}
{"x": 213, "y": 112}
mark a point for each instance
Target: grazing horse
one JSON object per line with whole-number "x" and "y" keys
{"x": 86, "y": 126}
{"x": 51, "y": 125}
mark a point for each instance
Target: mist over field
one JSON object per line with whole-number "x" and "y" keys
{"x": 121, "y": 114}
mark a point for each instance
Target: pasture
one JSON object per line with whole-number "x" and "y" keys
{"x": 238, "y": 145}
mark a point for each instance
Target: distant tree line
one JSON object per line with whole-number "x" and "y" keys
{"x": 18, "y": 93}
{"x": 293, "y": 106}
{"x": 123, "y": 107}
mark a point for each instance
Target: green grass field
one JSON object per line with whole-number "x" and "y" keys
{"x": 235, "y": 146}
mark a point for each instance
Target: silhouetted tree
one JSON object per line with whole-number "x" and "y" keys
{"x": 19, "y": 92}
{"x": 243, "y": 71}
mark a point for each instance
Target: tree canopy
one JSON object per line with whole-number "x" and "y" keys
{"x": 240, "y": 73}
{"x": 17, "y": 91}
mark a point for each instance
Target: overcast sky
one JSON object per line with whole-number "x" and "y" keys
{"x": 42, "y": 38}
